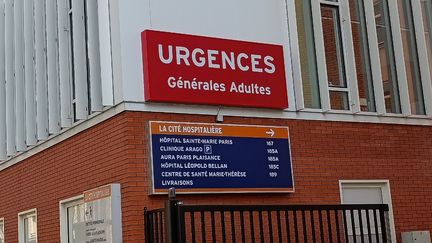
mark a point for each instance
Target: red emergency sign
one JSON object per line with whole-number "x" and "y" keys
{"x": 202, "y": 70}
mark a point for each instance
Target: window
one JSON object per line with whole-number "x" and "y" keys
{"x": 336, "y": 83}
{"x": 93, "y": 216}
{"x": 76, "y": 220}
{"x": 362, "y": 56}
{"x": 308, "y": 57}
{"x": 411, "y": 57}
{"x": 335, "y": 61}
{"x": 2, "y": 236}
{"x": 366, "y": 56}
{"x": 72, "y": 220}
{"x": 27, "y": 227}
{"x": 387, "y": 56}
{"x": 426, "y": 6}
{"x": 327, "y": 84}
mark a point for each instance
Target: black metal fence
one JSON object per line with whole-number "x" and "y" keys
{"x": 154, "y": 221}
{"x": 179, "y": 223}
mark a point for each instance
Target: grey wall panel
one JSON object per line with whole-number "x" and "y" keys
{"x": 10, "y": 79}
{"x": 41, "y": 75}
{"x": 79, "y": 60}
{"x": 93, "y": 54}
{"x": 52, "y": 67}
{"x": 29, "y": 66}
{"x": 64, "y": 63}
{"x": 19, "y": 75}
{"x": 3, "y": 153}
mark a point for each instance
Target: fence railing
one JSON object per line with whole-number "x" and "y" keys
{"x": 155, "y": 224}
{"x": 179, "y": 223}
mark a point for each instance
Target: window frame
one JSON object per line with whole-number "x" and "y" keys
{"x": 374, "y": 57}
{"x": 366, "y": 59}
{"x": 63, "y": 207}
{"x": 348, "y": 56}
{"x": 2, "y": 227}
{"x": 21, "y": 227}
{"x": 297, "y": 85}
{"x": 425, "y": 72}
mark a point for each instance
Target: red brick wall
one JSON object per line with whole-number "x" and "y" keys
{"x": 322, "y": 152}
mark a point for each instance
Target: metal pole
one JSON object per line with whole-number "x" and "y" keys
{"x": 171, "y": 217}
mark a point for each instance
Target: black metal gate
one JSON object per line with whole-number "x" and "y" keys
{"x": 179, "y": 223}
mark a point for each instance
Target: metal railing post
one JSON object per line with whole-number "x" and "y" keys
{"x": 384, "y": 223}
{"x": 172, "y": 218}
{"x": 147, "y": 225}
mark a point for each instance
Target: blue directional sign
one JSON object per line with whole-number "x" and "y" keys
{"x": 219, "y": 158}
